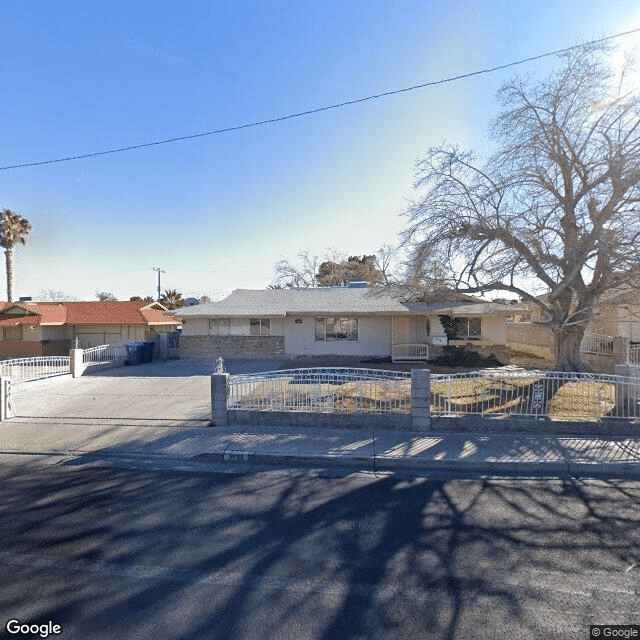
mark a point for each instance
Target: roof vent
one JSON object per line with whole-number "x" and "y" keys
{"x": 191, "y": 302}
{"x": 357, "y": 284}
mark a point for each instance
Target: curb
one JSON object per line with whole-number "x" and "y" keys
{"x": 370, "y": 463}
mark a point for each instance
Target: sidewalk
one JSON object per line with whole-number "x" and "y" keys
{"x": 368, "y": 450}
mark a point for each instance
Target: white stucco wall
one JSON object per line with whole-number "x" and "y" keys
{"x": 373, "y": 338}
{"x": 93, "y": 335}
{"x": 494, "y": 328}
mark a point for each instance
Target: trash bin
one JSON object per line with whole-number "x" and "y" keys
{"x": 148, "y": 351}
{"x": 135, "y": 353}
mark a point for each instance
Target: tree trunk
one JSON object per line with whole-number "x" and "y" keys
{"x": 566, "y": 342}
{"x": 8, "y": 254}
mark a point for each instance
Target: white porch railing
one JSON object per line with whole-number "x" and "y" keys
{"x": 409, "y": 352}
{"x": 105, "y": 353}
{"x": 597, "y": 344}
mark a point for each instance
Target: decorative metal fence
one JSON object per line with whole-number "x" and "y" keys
{"x": 634, "y": 354}
{"x": 596, "y": 343}
{"x": 557, "y": 395}
{"x": 324, "y": 390}
{"x": 27, "y": 369}
{"x": 104, "y": 354}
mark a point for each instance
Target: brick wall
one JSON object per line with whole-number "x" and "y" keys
{"x": 193, "y": 347}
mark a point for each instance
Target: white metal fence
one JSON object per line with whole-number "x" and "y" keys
{"x": 324, "y": 390}
{"x": 557, "y": 395}
{"x": 597, "y": 343}
{"x": 104, "y": 354}
{"x": 26, "y": 369}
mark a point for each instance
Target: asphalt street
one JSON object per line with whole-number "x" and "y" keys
{"x": 110, "y": 552}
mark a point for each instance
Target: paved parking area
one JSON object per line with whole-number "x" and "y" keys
{"x": 170, "y": 392}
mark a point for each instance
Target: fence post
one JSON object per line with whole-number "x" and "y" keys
{"x": 219, "y": 383}
{"x": 3, "y": 399}
{"x": 620, "y": 350}
{"x": 624, "y": 391}
{"x": 75, "y": 362}
{"x": 420, "y": 399}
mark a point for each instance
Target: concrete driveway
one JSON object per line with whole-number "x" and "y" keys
{"x": 166, "y": 392}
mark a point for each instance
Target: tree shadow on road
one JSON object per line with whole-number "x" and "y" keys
{"x": 157, "y": 553}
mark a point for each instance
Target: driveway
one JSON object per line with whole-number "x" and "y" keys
{"x": 166, "y": 392}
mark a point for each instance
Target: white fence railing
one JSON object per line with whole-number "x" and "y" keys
{"x": 596, "y": 343}
{"x": 634, "y": 354}
{"x": 323, "y": 390}
{"x": 409, "y": 352}
{"x": 557, "y": 395}
{"x": 40, "y": 367}
{"x": 104, "y": 354}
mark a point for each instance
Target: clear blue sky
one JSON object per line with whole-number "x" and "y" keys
{"x": 217, "y": 212}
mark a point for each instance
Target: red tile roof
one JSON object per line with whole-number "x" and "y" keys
{"x": 87, "y": 313}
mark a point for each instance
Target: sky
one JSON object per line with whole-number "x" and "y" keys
{"x": 217, "y": 212}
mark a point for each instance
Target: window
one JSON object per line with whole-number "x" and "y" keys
{"x": 468, "y": 327}
{"x": 219, "y": 327}
{"x": 13, "y": 333}
{"x": 259, "y": 327}
{"x": 330, "y": 328}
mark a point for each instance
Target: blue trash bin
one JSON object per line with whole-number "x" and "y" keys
{"x": 148, "y": 351}
{"x": 135, "y": 353}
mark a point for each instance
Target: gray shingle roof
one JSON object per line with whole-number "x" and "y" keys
{"x": 329, "y": 300}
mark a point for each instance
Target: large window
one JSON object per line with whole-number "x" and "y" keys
{"x": 331, "y": 328}
{"x": 260, "y": 327}
{"x": 240, "y": 327}
{"x": 468, "y": 327}
{"x": 219, "y": 327}
{"x": 13, "y": 333}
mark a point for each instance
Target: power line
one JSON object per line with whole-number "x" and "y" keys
{"x": 338, "y": 105}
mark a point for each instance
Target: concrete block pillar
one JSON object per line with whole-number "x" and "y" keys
{"x": 77, "y": 366}
{"x": 219, "y": 383}
{"x": 163, "y": 345}
{"x": 4, "y": 400}
{"x": 620, "y": 350}
{"x": 420, "y": 399}
{"x": 627, "y": 391}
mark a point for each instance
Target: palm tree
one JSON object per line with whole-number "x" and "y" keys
{"x": 13, "y": 229}
{"x": 171, "y": 299}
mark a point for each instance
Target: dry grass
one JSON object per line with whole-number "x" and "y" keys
{"x": 358, "y": 395}
{"x": 581, "y": 399}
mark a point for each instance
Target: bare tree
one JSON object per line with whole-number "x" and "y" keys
{"x": 303, "y": 274}
{"x": 106, "y": 296}
{"x": 55, "y": 295}
{"x": 333, "y": 269}
{"x": 555, "y": 209}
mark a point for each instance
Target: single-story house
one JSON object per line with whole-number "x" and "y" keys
{"x": 50, "y": 328}
{"x": 337, "y": 321}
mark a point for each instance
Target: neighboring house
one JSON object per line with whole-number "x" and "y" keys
{"x": 339, "y": 321}
{"x": 616, "y": 323}
{"x": 47, "y": 328}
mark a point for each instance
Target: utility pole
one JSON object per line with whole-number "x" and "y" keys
{"x": 159, "y": 270}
